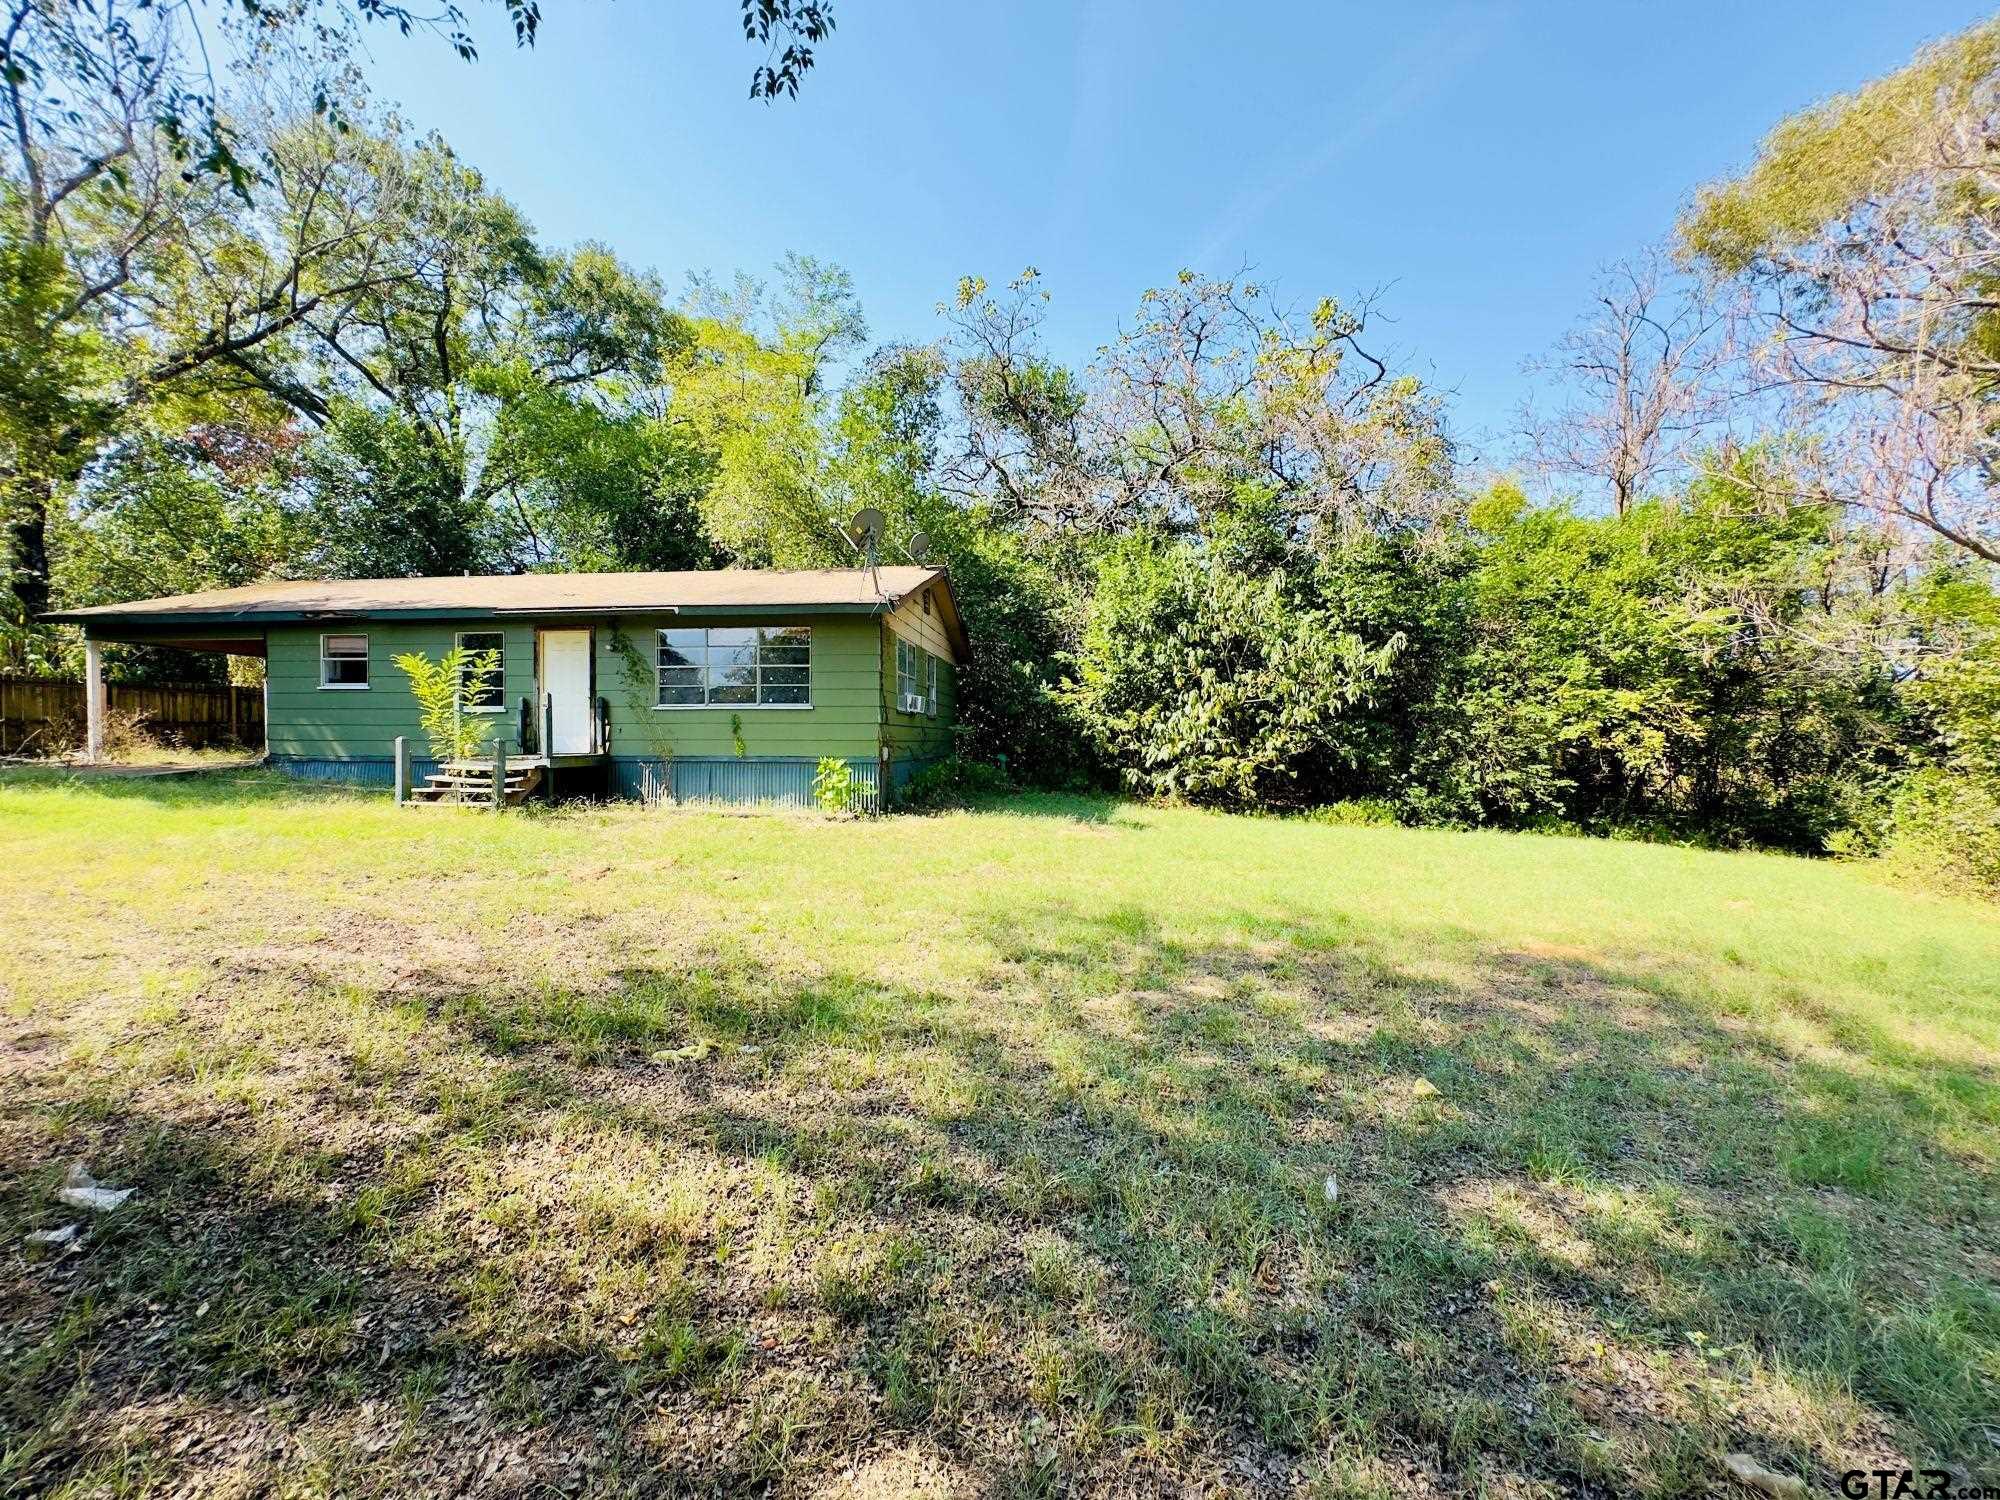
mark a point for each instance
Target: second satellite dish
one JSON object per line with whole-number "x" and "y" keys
{"x": 919, "y": 548}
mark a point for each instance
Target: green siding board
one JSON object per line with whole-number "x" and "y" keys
{"x": 311, "y": 721}
{"x": 841, "y": 721}
{"x": 916, "y": 736}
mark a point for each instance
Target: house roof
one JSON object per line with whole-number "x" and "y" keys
{"x": 533, "y": 593}
{"x": 727, "y": 591}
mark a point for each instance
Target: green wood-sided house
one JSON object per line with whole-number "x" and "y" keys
{"x": 723, "y": 686}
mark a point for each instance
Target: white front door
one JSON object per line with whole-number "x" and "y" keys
{"x": 566, "y": 682}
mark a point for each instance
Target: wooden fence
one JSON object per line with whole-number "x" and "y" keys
{"x": 44, "y": 714}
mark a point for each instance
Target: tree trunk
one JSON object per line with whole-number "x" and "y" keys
{"x": 28, "y": 548}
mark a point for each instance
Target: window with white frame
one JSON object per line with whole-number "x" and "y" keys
{"x": 932, "y": 693}
{"x": 909, "y": 677}
{"x": 488, "y": 694}
{"x": 343, "y": 661}
{"x": 740, "y": 666}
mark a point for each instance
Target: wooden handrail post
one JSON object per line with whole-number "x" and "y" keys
{"x": 402, "y": 770}
{"x": 499, "y": 772}
{"x": 548, "y": 726}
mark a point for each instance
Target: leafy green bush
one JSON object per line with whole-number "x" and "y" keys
{"x": 1943, "y": 831}
{"x": 1203, "y": 684}
{"x": 1660, "y": 669}
{"x": 441, "y": 688}
{"x": 954, "y": 783}
{"x": 836, "y": 788}
{"x": 1354, "y": 812}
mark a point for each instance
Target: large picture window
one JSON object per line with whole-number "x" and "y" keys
{"x": 343, "y": 661}
{"x": 488, "y": 695}
{"x": 742, "y": 666}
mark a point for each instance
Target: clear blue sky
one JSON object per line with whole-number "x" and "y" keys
{"x": 1474, "y": 161}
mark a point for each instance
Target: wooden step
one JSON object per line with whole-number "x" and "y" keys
{"x": 472, "y": 788}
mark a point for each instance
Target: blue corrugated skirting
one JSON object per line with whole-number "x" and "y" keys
{"x": 771, "y": 781}
{"x": 361, "y": 771}
{"x": 759, "y": 781}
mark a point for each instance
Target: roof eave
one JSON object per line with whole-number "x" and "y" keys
{"x": 119, "y": 618}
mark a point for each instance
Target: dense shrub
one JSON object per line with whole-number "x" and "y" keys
{"x": 1955, "y": 687}
{"x": 1942, "y": 831}
{"x": 953, "y": 783}
{"x": 1651, "y": 668}
{"x": 1359, "y": 812}
{"x": 1020, "y": 613}
{"x": 1201, "y": 683}
{"x": 1658, "y": 672}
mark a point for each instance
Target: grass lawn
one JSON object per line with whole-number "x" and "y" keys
{"x": 602, "y": 1151}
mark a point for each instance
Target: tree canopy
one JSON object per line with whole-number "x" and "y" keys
{"x": 1736, "y": 584}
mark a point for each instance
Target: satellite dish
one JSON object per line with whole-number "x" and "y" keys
{"x": 919, "y": 548}
{"x": 865, "y": 530}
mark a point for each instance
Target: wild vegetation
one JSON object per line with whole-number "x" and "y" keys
{"x": 550, "y": 1152}
{"x": 442, "y": 688}
{"x": 1735, "y": 586}
{"x": 1188, "y": 1147}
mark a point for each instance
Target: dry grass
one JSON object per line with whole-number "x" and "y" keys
{"x": 611, "y": 1152}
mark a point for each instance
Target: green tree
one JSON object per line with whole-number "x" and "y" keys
{"x": 1868, "y": 232}
{"x": 600, "y": 487}
{"x": 757, "y": 390}
{"x": 1203, "y": 684}
{"x": 452, "y": 375}
{"x": 1656, "y": 667}
{"x": 200, "y": 510}
{"x": 1215, "y": 395}
{"x": 1955, "y": 685}
{"x": 135, "y": 298}
{"x": 885, "y": 439}
{"x": 376, "y": 501}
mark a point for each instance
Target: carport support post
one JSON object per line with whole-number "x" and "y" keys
{"x": 402, "y": 770}
{"x": 93, "y": 701}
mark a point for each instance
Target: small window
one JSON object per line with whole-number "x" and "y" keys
{"x": 488, "y": 695}
{"x": 932, "y": 693}
{"x": 746, "y": 666}
{"x": 343, "y": 661}
{"x": 909, "y": 678}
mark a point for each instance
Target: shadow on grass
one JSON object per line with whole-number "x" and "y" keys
{"x": 1068, "y": 807}
{"x": 193, "y": 786}
{"x": 732, "y": 1229}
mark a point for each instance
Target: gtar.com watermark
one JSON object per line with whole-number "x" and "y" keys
{"x": 1912, "y": 1484}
